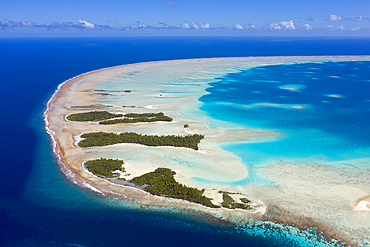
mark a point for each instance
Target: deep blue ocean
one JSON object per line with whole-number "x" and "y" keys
{"x": 39, "y": 206}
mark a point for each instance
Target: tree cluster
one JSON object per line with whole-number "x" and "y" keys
{"x": 115, "y": 91}
{"x": 228, "y": 202}
{"x": 144, "y": 115}
{"x": 139, "y": 118}
{"x": 90, "y": 106}
{"x": 104, "y": 139}
{"x": 128, "y": 118}
{"x": 105, "y": 167}
{"x": 92, "y": 116}
{"x": 161, "y": 182}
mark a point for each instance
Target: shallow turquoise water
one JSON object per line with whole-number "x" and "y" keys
{"x": 331, "y": 124}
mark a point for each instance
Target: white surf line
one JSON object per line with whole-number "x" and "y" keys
{"x": 69, "y": 174}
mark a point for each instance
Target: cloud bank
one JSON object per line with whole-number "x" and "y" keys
{"x": 287, "y": 26}
{"x": 337, "y": 18}
{"x": 360, "y": 18}
{"x": 81, "y": 24}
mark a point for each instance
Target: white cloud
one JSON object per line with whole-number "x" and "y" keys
{"x": 186, "y": 26}
{"x": 307, "y": 27}
{"x": 139, "y": 25}
{"x": 355, "y": 29}
{"x": 340, "y": 28}
{"x": 28, "y": 24}
{"x": 275, "y": 26}
{"x": 238, "y": 26}
{"x": 11, "y": 24}
{"x": 287, "y": 24}
{"x": 360, "y": 18}
{"x": 62, "y": 25}
{"x": 86, "y": 24}
{"x": 204, "y": 26}
{"x": 165, "y": 26}
{"x": 337, "y": 18}
{"x": 162, "y": 23}
{"x": 143, "y": 25}
{"x": 194, "y": 25}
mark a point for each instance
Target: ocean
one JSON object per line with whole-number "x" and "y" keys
{"x": 39, "y": 206}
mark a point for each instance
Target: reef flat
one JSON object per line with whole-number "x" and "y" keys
{"x": 306, "y": 195}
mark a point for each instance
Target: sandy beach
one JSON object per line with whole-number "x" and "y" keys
{"x": 310, "y": 195}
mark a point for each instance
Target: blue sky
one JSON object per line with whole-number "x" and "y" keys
{"x": 184, "y": 17}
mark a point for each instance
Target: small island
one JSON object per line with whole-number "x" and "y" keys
{"x": 139, "y": 118}
{"x": 98, "y": 116}
{"x": 160, "y": 182}
{"x": 92, "y": 116}
{"x": 98, "y": 139}
{"x": 97, "y": 106}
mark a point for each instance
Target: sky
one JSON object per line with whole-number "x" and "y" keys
{"x": 184, "y": 17}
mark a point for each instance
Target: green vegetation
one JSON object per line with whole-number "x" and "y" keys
{"x": 129, "y": 106}
{"x": 245, "y": 200}
{"x": 105, "y": 167}
{"x": 114, "y": 91}
{"x": 228, "y": 202}
{"x": 104, "y": 139}
{"x": 90, "y": 106}
{"x": 128, "y": 118}
{"x": 186, "y": 126}
{"x": 92, "y": 116}
{"x": 161, "y": 182}
{"x": 144, "y": 115}
{"x": 139, "y": 118}
{"x": 106, "y": 94}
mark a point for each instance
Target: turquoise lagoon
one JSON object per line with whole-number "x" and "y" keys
{"x": 322, "y": 111}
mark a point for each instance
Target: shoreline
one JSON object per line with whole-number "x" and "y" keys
{"x": 76, "y": 177}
